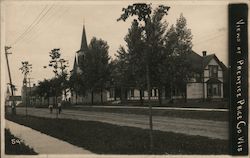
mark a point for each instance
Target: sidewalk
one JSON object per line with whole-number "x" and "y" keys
{"x": 42, "y": 143}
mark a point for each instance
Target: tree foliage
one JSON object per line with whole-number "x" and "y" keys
{"x": 178, "y": 44}
{"x": 145, "y": 43}
{"x": 150, "y": 42}
{"x": 59, "y": 66}
{"x": 95, "y": 67}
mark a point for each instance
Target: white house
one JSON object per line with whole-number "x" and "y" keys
{"x": 208, "y": 78}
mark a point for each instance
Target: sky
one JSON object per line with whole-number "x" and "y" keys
{"x": 33, "y": 29}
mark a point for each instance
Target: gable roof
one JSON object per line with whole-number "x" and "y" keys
{"x": 198, "y": 63}
{"x": 213, "y": 80}
{"x": 207, "y": 59}
{"x": 195, "y": 61}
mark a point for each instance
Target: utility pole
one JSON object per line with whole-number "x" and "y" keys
{"x": 29, "y": 82}
{"x": 25, "y": 91}
{"x": 13, "y": 106}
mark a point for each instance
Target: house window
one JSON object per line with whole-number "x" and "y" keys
{"x": 132, "y": 93}
{"x": 213, "y": 71}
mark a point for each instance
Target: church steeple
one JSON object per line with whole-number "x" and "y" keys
{"x": 84, "y": 45}
{"x": 79, "y": 58}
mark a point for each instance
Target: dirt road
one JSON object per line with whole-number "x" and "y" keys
{"x": 207, "y": 128}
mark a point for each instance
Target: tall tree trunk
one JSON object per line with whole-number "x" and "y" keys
{"x": 76, "y": 98}
{"x": 115, "y": 94}
{"x": 159, "y": 95}
{"x": 92, "y": 97}
{"x": 122, "y": 95}
{"x": 48, "y": 101}
{"x": 185, "y": 93}
{"x": 65, "y": 95}
{"x": 141, "y": 99}
{"x": 125, "y": 94}
{"x": 101, "y": 97}
{"x": 171, "y": 93}
{"x": 56, "y": 106}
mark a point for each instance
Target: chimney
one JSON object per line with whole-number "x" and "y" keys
{"x": 204, "y": 53}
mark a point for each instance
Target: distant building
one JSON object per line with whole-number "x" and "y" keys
{"x": 9, "y": 98}
{"x": 30, "y": 97}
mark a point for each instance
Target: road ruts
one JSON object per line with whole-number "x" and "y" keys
{"x": 207, "y": 128}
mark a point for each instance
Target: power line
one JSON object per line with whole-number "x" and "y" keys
{"x": 205, "y": 40}
{"x": 58, "y": 16}
{"x": 209, "y": 35}
{"x": 28, "y": 28}
{"x": 38, "y": 28}
{"x": 34, "y": 23}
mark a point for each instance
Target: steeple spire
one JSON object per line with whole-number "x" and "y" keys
{"x": 84, "y": 45}
{"x": 80, "y": 53}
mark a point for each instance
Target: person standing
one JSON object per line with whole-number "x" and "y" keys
{"x": 59, "y": 107}
{"x": 51, "y": 108}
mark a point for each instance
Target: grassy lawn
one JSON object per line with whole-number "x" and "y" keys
{"x": 14, "y": 147}
{"x": 205, "y": 115}
{"x": 104, "y": 138}
{"x": 181, "y": 104}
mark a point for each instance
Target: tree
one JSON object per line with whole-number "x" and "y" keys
{"x": 44, "y": 89}
{"x": 152, "y": 37}
{"x": 145, "y": 46}
{"x": 178, "y": 44}
{"x": 135, "y": 50}
{"x": 128, "y": 70}
{"x": 122, "y": 73}
{"x": 59, "y": 66}
{"x": 95, "y": 67}
{"x": 26, "y": 69}
{"x": 76, "y": 84}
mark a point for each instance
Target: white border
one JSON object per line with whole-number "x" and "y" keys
{"x": 94, "y": 2}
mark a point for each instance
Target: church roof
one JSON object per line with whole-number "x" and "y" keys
{"x": 74, "y": 66}
{"x": 84, "y": 45}
{"x": 83, "y": 48}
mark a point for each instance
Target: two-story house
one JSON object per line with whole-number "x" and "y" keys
{"x": 208, "y": 78}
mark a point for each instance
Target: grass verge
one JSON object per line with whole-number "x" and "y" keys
{"x": 204, "y": 115}
{"x": 14, "y": 146}
{"x": 104, "y": 138}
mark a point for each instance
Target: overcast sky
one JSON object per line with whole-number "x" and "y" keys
{"x": 60, "y": 26}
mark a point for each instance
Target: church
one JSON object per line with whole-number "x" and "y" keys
{"x": 78, "y": 98}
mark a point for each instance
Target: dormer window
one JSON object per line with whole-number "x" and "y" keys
{"x": 213, "y": 71}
